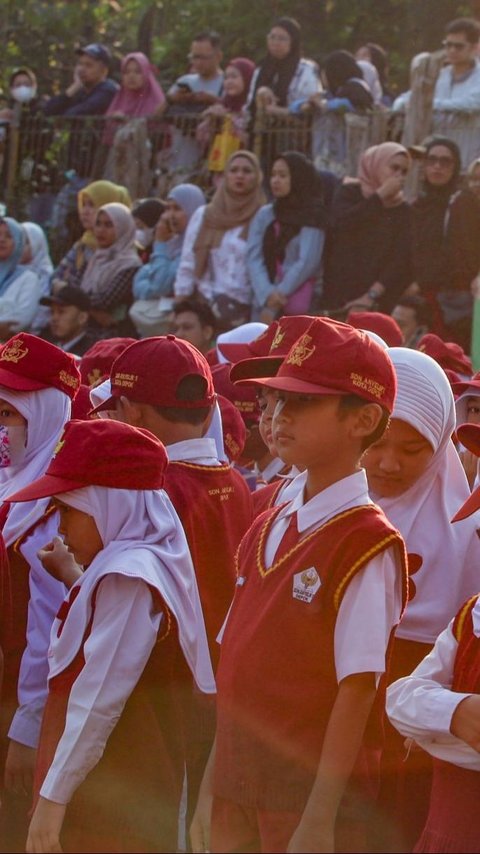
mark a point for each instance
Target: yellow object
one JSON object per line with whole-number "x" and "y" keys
{"x": 224, "y": 145}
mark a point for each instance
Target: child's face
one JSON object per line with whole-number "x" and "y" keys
{"x": 397, "y": 460}
{"x": 307, "y": 429}
{"x": 79, "y": 532}
{"x": 473, "y": 409}
{"x": 267, "y": 402}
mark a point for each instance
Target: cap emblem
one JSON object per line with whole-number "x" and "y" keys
{"x": 301, "y": 351}
{"x": 13, "y": 352}
{"x": 279, "y": 336}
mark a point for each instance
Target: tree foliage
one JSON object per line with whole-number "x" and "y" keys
{"x": 43, "y": 33}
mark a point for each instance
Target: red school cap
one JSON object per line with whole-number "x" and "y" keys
{"x": 289, "y": 328}
{"x": 100, "y": 453}
{"x": 150, "y": 370}
{"x": 97, "y": 361}
{"x": 469, "y": 436}
{"x": 233, "y": 428}
{"x": 28, "y": 363}
{"x": 251, "y": 349}
{"x": 447, "y": 354}
{"x": 244, "y": 399}
{"x": 463, "y": 386}
{"x": 375, "y": 321}
{"x": 334, "y": 358}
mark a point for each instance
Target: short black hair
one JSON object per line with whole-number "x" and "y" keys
{"x": 349, "y": 402}
{"x": 199, "y": 307}
{"x": 209, "y": 36}
{"x": 189, "y": 389}
{"x": 420, "y": 306}
{"x": 468, "y": 26}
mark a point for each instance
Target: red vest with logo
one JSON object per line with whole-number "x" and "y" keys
{"x": 215, "y": 508}
{"x": 276, "y": 679}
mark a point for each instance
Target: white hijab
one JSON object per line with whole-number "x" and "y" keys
{"x": 46, "y": 412}
{"x": 41, "y": 262}
{"x": 450, "y": 571}
{"x": 143, "y": 538}
{"x": 105, "y": 264}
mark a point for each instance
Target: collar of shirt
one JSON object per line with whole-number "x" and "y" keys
{"x": 67, "y": 345}
{"x": 273, "y": 468}
{"x": 348, "y": 492}
{"x": 202, "y": 451}
{"x": 476, "y": 618}
{"x": 465, "y": 76}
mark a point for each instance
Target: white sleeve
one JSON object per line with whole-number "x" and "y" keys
{"x": 123, "y": 634}
{"x": 421, "y": 706}
{"x": 46, "y": 596}
{"x": 19, "y": 303}
{"x": 305, "y": 84}
{"x": 185, "y": 279}
{"x": 370, "y": 609}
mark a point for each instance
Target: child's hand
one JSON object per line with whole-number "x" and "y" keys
{"x": 466, "y": 721}
{"x": 45, "y": 827}
{"x": 19, "y": 768}
{"x": 59, "y": 562}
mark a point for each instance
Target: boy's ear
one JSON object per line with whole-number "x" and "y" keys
{"x": 130, "y": 412}
{"x": 367, "y": 419}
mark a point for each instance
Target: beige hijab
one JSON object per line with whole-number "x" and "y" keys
{"x": 227, "y": 211}
{"x": 105, "y": 264}
{"x": 371, "y": 165}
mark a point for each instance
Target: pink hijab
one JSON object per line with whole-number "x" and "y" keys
{"x": 138, "y": 102}
{"x": 372, "y": 162}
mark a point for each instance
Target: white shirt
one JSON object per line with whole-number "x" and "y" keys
{"x": 271, "y": 470}
{"x": 19, "y": 303}
{"x": 421, "y": 706}
{"x": 46, "y": 596}
{"x": 226, "y": 271}
{"x": 461, "y": 95}
{"x": 127, "y": 623}
{"x": 372, "y": 603}
{"x": 202, "y": 452}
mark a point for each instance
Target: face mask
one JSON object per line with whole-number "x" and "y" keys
{"x": 23, "y": 94}
{"x": 12, "y": 445}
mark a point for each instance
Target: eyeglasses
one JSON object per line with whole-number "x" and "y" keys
{"x": 448, "y": 45}
{"x": 441, "y": 160}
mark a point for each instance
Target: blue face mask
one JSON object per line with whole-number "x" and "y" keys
{"x": 13, "y": 442}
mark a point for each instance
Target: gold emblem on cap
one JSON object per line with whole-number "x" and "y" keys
{"x": 13, "y": 352}
{"x": 94, "y": 375}
{"x": 68, "y": 379}
{"x": 277, "y": 340}
{"x": 58, "y": 447}
{"x": 301, "y": 351}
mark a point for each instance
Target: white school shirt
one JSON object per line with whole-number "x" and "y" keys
{"x": 201, "y": 452}
{"x": 226, "y": 271}
{"x": 127, "y": 622}
{"x": 421, "y": 706}
{"x": 372, "y": 603}
{"x": 46, "y": 596}
{"x": 19, "y": 303}
{"x": 271, "y": 470}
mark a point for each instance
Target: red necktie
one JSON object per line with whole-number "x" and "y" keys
{"x": 289, "y": 539}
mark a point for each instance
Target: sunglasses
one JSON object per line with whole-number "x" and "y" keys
{"x": 454, "y": 45}
{"x": 441, "y": 160}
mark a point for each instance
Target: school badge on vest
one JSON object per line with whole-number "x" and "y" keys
{"x": 306, "y": 584}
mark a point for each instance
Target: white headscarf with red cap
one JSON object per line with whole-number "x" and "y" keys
{"x": 46, "y": 412}
{"x": 143, "y": 538}
{"x": 450, "y": 553}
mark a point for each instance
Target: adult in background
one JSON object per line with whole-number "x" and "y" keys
{"x": 367, "y": 256}
{"x": 378, "y": 56}
{"x": 91, "y": 90}
{"x": 153, "y": 283}
{"x": 286, "y": 240}
{"x": 140, "y": 93}
{"x": 414, "y": 317}
{"x": 19, "y": 286}
{"x": 457, "y": 88}
{"x": 68, "y": 325}
{"x": 193, "y": 321}
{"x": 214, "y": 254}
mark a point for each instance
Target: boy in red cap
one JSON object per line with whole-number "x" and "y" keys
{"x": 321, "y": 584}
{"x": 448, "y": 682}
{"x": 109, "y": 768}
{"x": 38, "y": 382}
{"x": 165, "y": 385}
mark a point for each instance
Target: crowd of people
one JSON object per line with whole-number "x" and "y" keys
{"x": 240, "y": 489}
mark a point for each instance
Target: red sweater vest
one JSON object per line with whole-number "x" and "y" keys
{"x": 215, "y": 508}
{"x": 264, "y": 498}
{"x": 276, "y": 679}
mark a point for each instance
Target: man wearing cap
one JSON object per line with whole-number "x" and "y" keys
{"x": 91, "y": 90}
{"x": 321, "y": 586}
{"x": 68, "y": 327}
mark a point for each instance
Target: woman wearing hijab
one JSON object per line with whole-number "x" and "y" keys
{"x": 125, "y": 646}
{"x": 37, "y": 384}
{"x": 377, "y": 55}
{"x": 153, "y": 283}
{"x": 140, "y": 93}
{"x": 20, "y": 288}
{"x": 286, "y": 239}
{"x": 72, "y": 267}
{"x": 36, "y": 257}
{"x": 344, "y": 78}
{"x": 109, "y": 273}
{"x": 415, "y": 475}
{"x": 213, "y": 262}
{"x": 430, "y": 214}
{"x": 367, "y": 256}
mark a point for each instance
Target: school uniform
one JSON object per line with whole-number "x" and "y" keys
{"x": 421, "y": 707}
{"x": 347, "y": 600}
